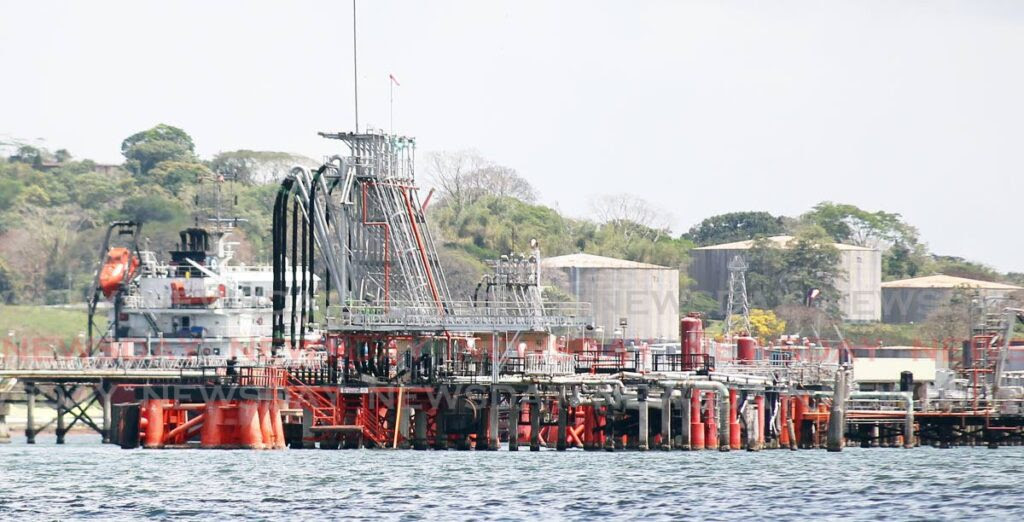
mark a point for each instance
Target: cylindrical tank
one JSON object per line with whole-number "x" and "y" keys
{"x": 746, "y": 349}
{"x": 691, "y": 334}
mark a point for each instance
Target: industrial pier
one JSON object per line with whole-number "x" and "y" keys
{"x": 403, "y": 364}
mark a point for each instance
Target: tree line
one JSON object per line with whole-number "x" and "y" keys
{"x": 53, "y": 209}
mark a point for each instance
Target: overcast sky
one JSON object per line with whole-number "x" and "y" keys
{"x": 698, "y": 107}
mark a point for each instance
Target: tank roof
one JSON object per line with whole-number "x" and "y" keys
{"x": 582, "y": 260}
{"x": 780, "y": 242}
{"x": 945, "y": 281}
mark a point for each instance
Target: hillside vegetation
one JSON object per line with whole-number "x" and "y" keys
{"x": 54, "y": 209}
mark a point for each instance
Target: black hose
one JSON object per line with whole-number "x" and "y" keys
{"x": 295, "y": 279}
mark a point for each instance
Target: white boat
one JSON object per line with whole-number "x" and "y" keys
{"x": 199, "y": 303}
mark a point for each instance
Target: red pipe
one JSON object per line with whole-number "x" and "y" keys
{"x": 711, "y": 424}
{"x": 735, "y": 441}
{"x": 180, "y": 430}
{"x": 696, "y": 426}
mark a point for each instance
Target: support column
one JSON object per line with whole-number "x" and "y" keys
{"x": 908, "y": 426}
{"x": 642, "y": 422}
{"x": 735, "y": 441}
{"x": 5, "y": 409}
{"x": 666, "y": 419}
{"x": 684, "y": 420}
{"x": 419, "y": 438}
{"x": 696, "y": 426}
{"x": 535, "y": 421}
{"x": 441, "y": 431}
{"x": 609, "y": 428}
{"x": 403, "y": 427}
{"x": 61, "y": 429}
{"x": 711, "y": 426}
{"x": 106, "y": 391}
{"x": 30, "y": 407}
{"x": 836, "y": 418}
{"x": 513, "y": 422}
{"x": 759, "y": 401}
{"x": 492, "y": 421}
{"x": 563, "y": 420}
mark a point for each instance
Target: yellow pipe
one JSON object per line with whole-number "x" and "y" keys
{"x": 398, "y": 416}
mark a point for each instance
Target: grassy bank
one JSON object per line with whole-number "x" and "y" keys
{"x": 28, "y": 321}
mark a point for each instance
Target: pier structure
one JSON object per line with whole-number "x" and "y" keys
{"x": 403, "y": 363}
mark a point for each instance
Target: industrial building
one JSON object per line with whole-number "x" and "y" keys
{"x": 643, "y": 296}
{"x": 913, "y": 300}
{"x": 859, "y": 284}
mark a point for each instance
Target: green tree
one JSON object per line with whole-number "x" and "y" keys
{"x": 781, "y": 276}
{"x": 28, "y": 155}
{"x": 256, "y": 166}
{"x": 9, "y": 191}
{"x": 144, "y": 150}
{"x": 960, "y": 267}
{"x": 151, "y": 208}
{"x": 735, "y": 226}
{"x": 174, "y": 175}
{"x": 7, "y": 291}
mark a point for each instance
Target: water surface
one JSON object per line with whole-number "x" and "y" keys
{"x": 85, "y": 479}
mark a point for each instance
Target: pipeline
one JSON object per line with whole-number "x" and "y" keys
{"x": 908, "y": 400}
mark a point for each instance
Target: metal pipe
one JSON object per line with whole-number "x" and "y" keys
{"x": 908, "y": 400}
{"x": 722, "y": 392}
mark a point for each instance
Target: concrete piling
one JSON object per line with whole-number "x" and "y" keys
{"x": 563, "y": 420}
{"x": 666, "y": 419}
{"x": 513, "y": 422}
{"x": 61, "y": 409}
{"x": 535, "y": 421}
{"x": 30, "y": 407}
{"x": 642, "y": 423}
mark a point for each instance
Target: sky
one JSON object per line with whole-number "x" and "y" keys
{"x": 701, "y": 108}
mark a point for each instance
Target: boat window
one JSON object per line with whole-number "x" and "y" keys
{"x": 259, "y": 291}
{"x": 246, "y": 291}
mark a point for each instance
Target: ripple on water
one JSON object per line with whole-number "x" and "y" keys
{"x": 87, "y": 480}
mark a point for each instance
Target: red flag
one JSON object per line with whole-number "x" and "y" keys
{"x": 394, "y": 80}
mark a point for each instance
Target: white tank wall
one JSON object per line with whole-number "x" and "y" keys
{"x": 859, "y": 284}
{"x": 861, "y": 288}
{"x": 648, "y": 298}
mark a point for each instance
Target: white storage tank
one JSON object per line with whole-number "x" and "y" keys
{"x": 643, "y": 296}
